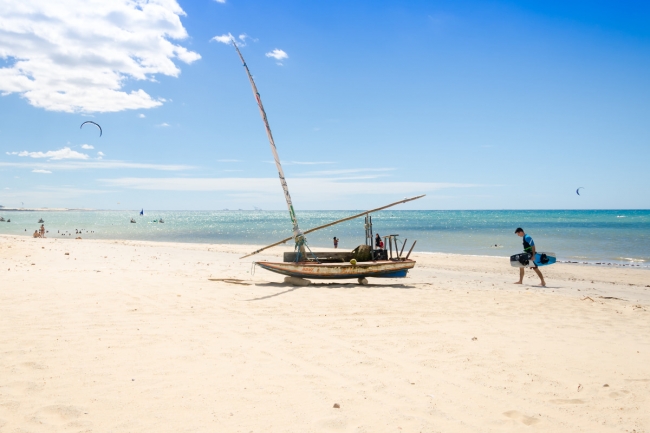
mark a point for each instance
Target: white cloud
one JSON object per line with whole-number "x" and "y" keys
{"x": 50, "y": 196}
{"x": 65, "y": 153}
{"x": 78, "y": 55}
{"x": 277, "y": 54}
{"x": 243, "y": 37}
{"x": 87, "y": 146}
{"x": 85, "y": 165}
{"x": 220, "y": 1}
{"x": 163, "y": 125}
{"x": 344, "y": 171}
{"x": 141, "y": 116}
{"x": 228, "y": 160}
{"x": 326, "y": 188}
{"x": 100, "y": 153}
{"x": 224, "y": 39}
{"x": 41, "y": 171}
{"x": 302, "y": 162}
{"x": 227, "y": 38}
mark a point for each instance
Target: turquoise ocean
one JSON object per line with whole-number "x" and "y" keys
{"x": 592, "y": 236}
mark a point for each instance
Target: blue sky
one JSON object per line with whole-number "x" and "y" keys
{"x": 478, "y": 104}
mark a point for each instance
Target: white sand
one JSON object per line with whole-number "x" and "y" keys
{"x": 133, "y": 336}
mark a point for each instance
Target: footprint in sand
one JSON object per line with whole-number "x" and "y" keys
{"x": 567, "y": 401}
{"x": 618, "y": 394}
{"x": 332, "y": 423}
{"x": 518, "y": 416}
{"x": 25, "y": 387}
{"x": 34, "y": 365}
{"x": 57, "y": 415}
{"x": 10, "y": 405}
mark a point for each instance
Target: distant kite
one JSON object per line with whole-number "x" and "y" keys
{"x": 578, "y": 190}
{"x": 96, "y": 124}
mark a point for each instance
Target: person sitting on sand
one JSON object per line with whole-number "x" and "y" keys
{"x": 36, "y": 234}
{"x": 529, "y": 247}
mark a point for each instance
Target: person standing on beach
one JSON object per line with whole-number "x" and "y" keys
{"x": 377, "y": 241}
{"x": 336, "y": 242}
{"x": 42, "y": 230}
{"x": 529, "y": 247}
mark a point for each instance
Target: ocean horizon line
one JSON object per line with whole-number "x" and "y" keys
{"x": 47, "y": 209}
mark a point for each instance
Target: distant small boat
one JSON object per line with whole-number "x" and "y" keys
{"x": 9, "y": 220}
{"x": 161, "y": 221}
{"x": 133, "y": 220}
{"x": 40, "y": 221}
{"x": 2, "y": 219}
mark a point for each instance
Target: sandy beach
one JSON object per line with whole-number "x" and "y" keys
{"x": 129, "y": 336}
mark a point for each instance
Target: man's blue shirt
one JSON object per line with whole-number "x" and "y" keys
{"x": 528, "y": 239}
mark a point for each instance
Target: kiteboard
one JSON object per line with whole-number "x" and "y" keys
{"x": 522, "y": 260}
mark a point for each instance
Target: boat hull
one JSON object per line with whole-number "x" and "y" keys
{"x": 336, "y": 271}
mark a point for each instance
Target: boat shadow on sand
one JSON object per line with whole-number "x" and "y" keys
{"x": 291, "y": 288}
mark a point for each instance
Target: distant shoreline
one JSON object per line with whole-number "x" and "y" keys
{"x": 44, "y": 209}
{"x": 601, "y": 263}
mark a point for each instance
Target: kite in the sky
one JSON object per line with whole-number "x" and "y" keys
{"x": 578, "y": 190}
{"x": 96, "y": 124}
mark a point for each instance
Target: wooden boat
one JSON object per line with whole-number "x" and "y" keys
{"x": 338, "y": 271}
{"x": 360, "y": 263}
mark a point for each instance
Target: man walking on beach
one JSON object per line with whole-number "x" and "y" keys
{"x": 529, "y": 247}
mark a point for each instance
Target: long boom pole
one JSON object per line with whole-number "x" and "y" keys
{"x": 298, "y": 236}
{"x": 336, "y": 222}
